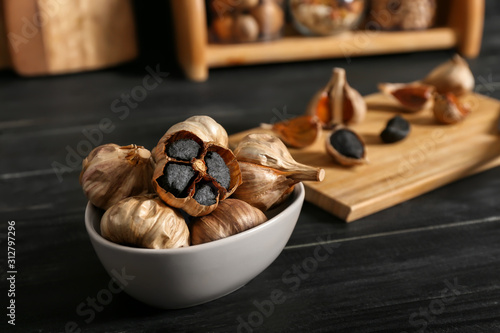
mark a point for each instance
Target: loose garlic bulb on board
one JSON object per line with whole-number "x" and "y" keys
{"x": 337, "y": 102}
{"x": 453, "y": 76}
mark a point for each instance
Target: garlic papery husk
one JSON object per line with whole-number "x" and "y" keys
{"x": 299, "y": 132}
{"x": 411, "y": 96}
{"x": 337, "y": 102}
{"x": 268, "y": 150}
{"x": 204, "y": 127}
{"x": 265, "y": 187}
{"x": 145, "y": 221}
{"x": 111, "y": 173}
{"x": 232, "y": 216}
{"x": 448, "y": 110}
{"x": 453, "y": 76}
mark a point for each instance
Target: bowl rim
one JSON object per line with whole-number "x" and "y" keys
{"x": 298, "y": 198}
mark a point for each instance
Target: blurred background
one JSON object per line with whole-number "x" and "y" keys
{"x": 50, "y": 37}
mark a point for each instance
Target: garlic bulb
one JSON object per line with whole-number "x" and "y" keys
{"x": 265, "y": 187}
{"x": 192, "y": 173}
{"x": 411, "y": 96}
{"x": 270, "y": 18}
{"x": 232, "y": 216}
{"x": 268, "y": 171}
{"x": 448, "y": 110}
{"x": 337, "y": 102}
{"x": 453, "y": 76}
{"x": 111, "y": 173}
{"x": 268, "y": 150}
{"x": 245, "y": 28}
{"x": 298, "y": 132}
{"x": 145, "y": 221}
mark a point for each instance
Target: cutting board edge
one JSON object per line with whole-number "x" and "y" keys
{"x": 402, "y": 194}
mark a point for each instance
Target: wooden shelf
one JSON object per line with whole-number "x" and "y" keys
{"x": 461, "y": 27}
{"x": 349, "y": 44}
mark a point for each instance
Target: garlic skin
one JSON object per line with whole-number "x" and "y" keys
{"x": 299, "y": 132}
{"x": 268, "y": 150}
{"x": 337, "y": 102}
{"x": 448, "y": 110}
{"x": 204, "y": 127}
{"x": 111, "y": 173}
{"x": 145, "y": 221}
{"x": 413, "y": 97}
{"x": 453, "y": 76}
{"x": 232, "y": 216}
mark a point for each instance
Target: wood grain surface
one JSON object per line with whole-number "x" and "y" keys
{"x": 431, "y": 156}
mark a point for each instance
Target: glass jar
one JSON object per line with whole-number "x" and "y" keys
{"x": 326, "y": 17}
{"x": 402, "y": 14}
{"x": 243, "y": 21}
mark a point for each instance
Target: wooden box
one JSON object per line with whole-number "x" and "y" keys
{"x": 57, "y": 37}
{"x": 460, "y": 25}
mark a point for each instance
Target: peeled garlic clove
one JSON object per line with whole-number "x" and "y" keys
{"x": 111, "y": 173}
{"x": 265, "y": 187}
{"x": 453, "y": 76}
{"x": 412, "y": 96}
{"x": 231, "y": 217}
{"x": 298, "y": 132}
{"x": 268, "y": 150}
{"x": 337, "y": 102}
{"x": 145, "y": 221}
{"x": 448, "y": 110}
{"x": 346, "y": 147}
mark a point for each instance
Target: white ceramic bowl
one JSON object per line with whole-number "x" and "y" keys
{"x": 178, "y": 278}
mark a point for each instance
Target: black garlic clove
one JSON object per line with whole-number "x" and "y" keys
{"x": 177, "y": 179}
{"x": 184, "y": 149}
{"x": 396, "y": 130}
{"x": 205, "y": 194}
{"x": 217, "y": 169}
{"x": 346, "y": 147}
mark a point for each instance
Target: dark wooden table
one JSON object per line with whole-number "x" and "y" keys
{"x": 432, "y": 263}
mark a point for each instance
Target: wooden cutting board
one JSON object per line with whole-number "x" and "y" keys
{"x": 431, "y": 156}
